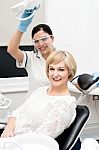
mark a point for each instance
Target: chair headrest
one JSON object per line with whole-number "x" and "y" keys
{"x": 84, "y": 81}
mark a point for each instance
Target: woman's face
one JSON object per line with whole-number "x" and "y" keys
{"x": 58, "y": 74}
{"x": 43, "y": 42}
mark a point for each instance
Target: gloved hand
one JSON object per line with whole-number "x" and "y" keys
{"x": 25, "y": 23}
{"x": 96, "y": 74}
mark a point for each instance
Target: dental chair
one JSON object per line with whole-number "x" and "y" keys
{"x": 85, "y": 83}
{"x": 69, "y": 137}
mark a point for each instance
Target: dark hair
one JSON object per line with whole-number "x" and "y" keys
{"x": 43, "y": 27}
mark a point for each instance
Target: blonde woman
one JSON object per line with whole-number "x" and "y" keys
{"x": 49, "y": 109}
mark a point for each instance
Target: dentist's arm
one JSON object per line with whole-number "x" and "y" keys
{"x": 13, "y": 45}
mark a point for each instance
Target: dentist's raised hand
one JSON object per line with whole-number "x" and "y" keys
{"x": 26, "y": 18}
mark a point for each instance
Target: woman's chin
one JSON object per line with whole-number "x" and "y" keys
{"x": 56, "y": 84}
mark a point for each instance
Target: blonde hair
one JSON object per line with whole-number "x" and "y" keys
{"x": 58, "y": 56}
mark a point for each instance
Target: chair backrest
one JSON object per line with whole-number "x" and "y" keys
{"x": 70, "y": 135}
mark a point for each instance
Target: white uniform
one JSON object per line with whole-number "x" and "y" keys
{"x": 46, "y": 114}
{"x": 35, "y": 68}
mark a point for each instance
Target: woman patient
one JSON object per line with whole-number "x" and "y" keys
{"x": 50, "y": 109}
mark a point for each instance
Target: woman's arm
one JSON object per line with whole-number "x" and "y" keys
{"x": 9, "y": 129}
{"x": 16, "y": 114}
{"x": 59, "y": 118}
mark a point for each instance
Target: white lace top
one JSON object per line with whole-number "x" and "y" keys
{"x": 45, "y": 114}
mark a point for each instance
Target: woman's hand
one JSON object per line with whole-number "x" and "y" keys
{"x": 7, "y": 133}
{"x": 9, "y": 129}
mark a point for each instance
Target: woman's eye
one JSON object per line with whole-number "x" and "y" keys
{"x": 61, "y": 69}
{"x": 51, "y": 69}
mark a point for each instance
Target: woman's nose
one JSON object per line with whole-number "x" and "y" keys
{"x": 55, "y": 73}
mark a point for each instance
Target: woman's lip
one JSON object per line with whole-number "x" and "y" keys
{"x": 56, "y": 79}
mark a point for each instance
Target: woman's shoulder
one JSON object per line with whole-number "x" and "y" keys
{"x": 40, "y": 89}
{"x": 68, "y": 99}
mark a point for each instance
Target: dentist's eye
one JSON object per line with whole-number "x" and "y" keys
{"x": 44, "y": 39}
{"x": 36, "y": 41}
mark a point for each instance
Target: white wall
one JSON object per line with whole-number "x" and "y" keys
{"x": 76, "y": 28}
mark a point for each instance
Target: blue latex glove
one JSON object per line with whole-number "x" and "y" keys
{"x": 96, "y": 74}
{"x": 25, "y": 23}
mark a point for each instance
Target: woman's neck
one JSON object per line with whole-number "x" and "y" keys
{"x": 55, "y": 91}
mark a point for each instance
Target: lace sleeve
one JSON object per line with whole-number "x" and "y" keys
{"x": 21, "y": 110}
{"x": 59, "y": 118}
